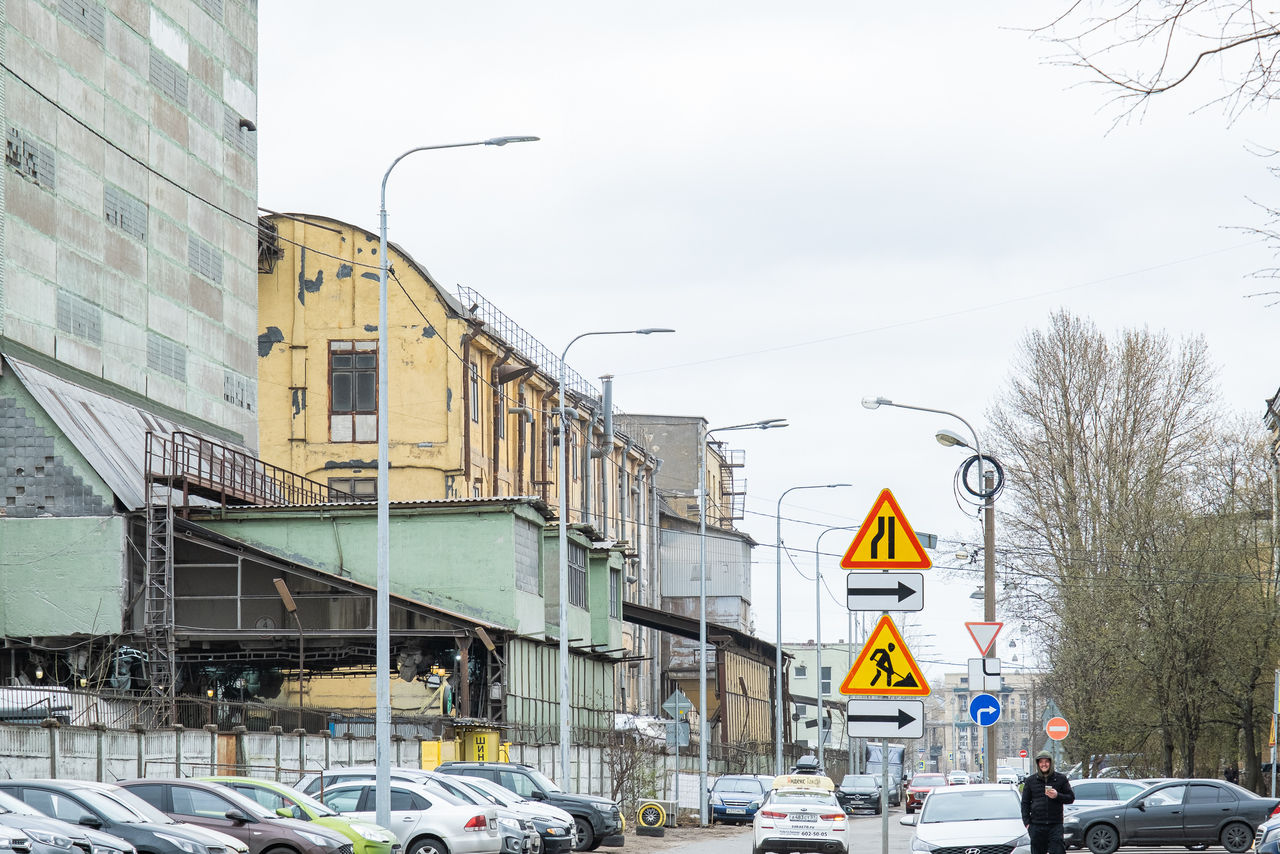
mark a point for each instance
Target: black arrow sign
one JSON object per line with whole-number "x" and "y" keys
{"x": 902, "y": 719}
{"x": 903, "y": 591}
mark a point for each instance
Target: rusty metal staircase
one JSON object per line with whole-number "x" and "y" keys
{"x": 178, "y": 467}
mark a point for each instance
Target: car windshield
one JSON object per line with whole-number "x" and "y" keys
{"x": 544, "y": 781}
{"x": 971, "y": 805}
{"x": 8, "y": 803}
{"x": 807, "y": 799}
{"x": 737, "y": 784}
{"x": 852, "y": 780}
{"x": 123, "y": 806}
{"x": 929, "y": 780}
{"x": 493, "y": 791}
{"x": 310, "y": 803}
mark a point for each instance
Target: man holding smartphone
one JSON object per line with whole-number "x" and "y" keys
{"x": 1044, "y": 794}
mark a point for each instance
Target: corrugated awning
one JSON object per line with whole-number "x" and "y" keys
{"x": 111, "y": 434}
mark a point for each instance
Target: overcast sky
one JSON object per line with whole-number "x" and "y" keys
{"x": 827, "y": 200}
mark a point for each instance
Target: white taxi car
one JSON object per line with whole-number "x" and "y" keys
{"x": 801, "y": 813}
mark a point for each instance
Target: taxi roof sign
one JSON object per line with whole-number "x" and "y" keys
{"x": 804, "y": 781}
{"x": 885, "y": 667}
{"x": 886, "y": 540}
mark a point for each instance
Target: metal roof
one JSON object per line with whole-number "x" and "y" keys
{"x": 110, "y": 433}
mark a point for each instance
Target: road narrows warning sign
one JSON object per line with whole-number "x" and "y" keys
{"x": 885, "y": 667}
{"x": 886, "y": 540}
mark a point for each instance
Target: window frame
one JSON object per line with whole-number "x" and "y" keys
{"x": 352, "y": 348}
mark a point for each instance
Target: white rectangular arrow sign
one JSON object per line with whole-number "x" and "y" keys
{"x": 886, "y": 591}
{"x": 886, "y": 718}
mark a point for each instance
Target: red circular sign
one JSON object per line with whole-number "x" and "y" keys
{"x": 1022, "y": 753}
{"x": 1057, "y": 728}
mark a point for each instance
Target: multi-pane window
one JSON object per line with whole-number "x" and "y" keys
{"x": 474, "y": 387}
{"x": 577, "y": 575}
{"x": 353, "y": 391}
{"x": 801, "y": 672}
{"x": 615, "y": 594}
{"x": 826, "y": 680}
{"x": 360, "y": 488}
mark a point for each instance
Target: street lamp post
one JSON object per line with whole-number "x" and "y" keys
{"x": 563, "y": 492}
{"x": 766, "y": 424}
{"x": 778, "y": 700}
{"x": 817, "y": 611}
{"x": 987, "y": 492}
{"x": 382, "y": 710}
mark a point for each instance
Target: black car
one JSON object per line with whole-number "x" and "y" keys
{"x": 1177, "y": 812}
{"x": 598, "y": 820}
{"x": 102, "y": 806}
{"x": 860, "y": 792}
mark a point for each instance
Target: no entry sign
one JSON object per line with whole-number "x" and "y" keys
{"x": 1057, "y": 728}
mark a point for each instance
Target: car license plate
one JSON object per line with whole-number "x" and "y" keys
{"x": 735, "y": 811}
{"x": 804, "y": 816}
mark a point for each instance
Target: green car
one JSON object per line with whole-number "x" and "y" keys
{"x": 366, "y": 837}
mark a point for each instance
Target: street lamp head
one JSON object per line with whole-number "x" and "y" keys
{"x": 652, "y": 329}
{"x": 950, "y": 439}
{"x": 876, "y": 402}
{"x": 503, "y": 140}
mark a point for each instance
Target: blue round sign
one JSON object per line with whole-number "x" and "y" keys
{"x": 984, "y": 709}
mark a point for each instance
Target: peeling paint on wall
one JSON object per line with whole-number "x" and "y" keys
{"x": 309, "y": 286}
{"x": 370, "y": 327}
{"x": 377, "y": 277}
{"x": 299, "y": 400}
{"x": 351, "y": 464}
{"x": 266, "y": 340}
{"x": 428, "y": 331}
{"x": 344, "y": 271}
{"x": 448, "y": 400}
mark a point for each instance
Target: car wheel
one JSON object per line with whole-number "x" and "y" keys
{"x": 1236, "y": 837}
{"x": 1102, "y": 839}
{"x": 586, "y": 835}
{"x": 429, "y": 846}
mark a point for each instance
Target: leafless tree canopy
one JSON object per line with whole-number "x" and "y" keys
{"x": 1145, "y": 47}
{"x": 1132, "y": 544}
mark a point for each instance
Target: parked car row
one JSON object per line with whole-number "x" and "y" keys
{"x": 467, "y": 810}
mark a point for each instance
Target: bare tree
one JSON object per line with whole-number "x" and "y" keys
{"x": 1145, "y": 47}
{"x": 1105, "y": 441}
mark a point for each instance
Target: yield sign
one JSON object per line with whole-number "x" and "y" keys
{"x": 984, "y": 634}
{"x": 885, "y": 540}
{"x": 885, "y": 666}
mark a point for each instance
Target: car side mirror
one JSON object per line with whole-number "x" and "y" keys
{"x": 1141, "y": 805}
{"x": 236, "y": 815}
{"x": 285, "y": 812}
{"x": 908, "y": 820}
{"x": 90, "y": 821}
{"x": 538, "y": 795}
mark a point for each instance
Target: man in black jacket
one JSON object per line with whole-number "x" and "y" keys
{"x": 1044, "y": 794}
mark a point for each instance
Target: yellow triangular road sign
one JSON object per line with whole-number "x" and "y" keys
{"x": 886, "y": 540}
{"x": 885, "y": 666}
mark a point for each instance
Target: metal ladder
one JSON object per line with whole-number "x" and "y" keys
{"x": 158, "y": 603}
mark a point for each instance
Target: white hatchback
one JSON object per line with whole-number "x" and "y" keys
{"x": 801, "y": 818}
{"x": 423, "y": 821}
{"x": 979, "y": 815}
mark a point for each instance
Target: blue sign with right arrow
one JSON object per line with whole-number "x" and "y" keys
{"x": 984, "y": 709}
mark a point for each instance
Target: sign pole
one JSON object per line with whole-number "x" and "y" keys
{"x": 884, "y": 796}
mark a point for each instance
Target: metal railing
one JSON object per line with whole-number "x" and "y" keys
{"x": 198, "y": 466}
{"x": 525, "y": 344}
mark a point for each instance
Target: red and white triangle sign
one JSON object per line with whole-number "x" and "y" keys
{"x": 984, "y": 634}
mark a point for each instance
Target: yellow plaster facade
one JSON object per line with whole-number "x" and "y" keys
{"x": 471, "y": 414}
